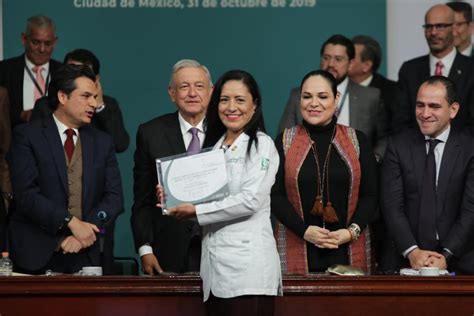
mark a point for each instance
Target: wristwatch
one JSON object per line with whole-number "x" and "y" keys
{"x": 66, "y": 221}
{"x": 447, "y": 255}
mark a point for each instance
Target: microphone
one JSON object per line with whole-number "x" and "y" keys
{"x": 102, "y": 216}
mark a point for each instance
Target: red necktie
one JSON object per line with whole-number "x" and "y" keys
{"x": 69, "y": 143}
{"x": 439, "y": 68}
{"x": 40, "y": 81}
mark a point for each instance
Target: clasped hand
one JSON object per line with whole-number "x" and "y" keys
{"x": 324, "y": 238}
{"x": 425, "y": 258}
{"x": 181, "y": 211}
{"x": 83, "y": 236}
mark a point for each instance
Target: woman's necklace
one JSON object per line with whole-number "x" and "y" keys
{"x": 328, "y": 213}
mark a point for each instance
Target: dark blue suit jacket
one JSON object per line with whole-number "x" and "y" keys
{"x": 39, "y": 179}
{"x": 402, "y": 180}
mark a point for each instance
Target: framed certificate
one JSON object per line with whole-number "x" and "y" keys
{"x": 194, "y": 179}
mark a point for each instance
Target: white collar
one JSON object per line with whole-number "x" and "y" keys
{"x": 30, "y": 65}
{"x": 342, "y": 87}
{"x": 185, "y": 126}
{"x": 367, "y": 81}
{"x": 443, "y": 136}
{"x": 61, "y": 127}
{"x": 447, "y": 61}
{"x": 467, "y": 51}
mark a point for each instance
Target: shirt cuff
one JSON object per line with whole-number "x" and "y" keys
{"x": 145, "y": 250}
{"x": 406, "y": 252}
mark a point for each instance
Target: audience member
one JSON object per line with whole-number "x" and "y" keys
{"x": 64, "y": 172}
{"x": 27, "y": 76}
{"x": 368, "y": 56}
{"x": 360, "y": 107}
{"x": 444, "y": 60}
{"x": 107, "y": 117}
{"x": 463, "y": 27}
{"x": 325, "y": 193}
{"x": 427, "y": 186}
{"x": 164, "y": 243}
{"x": 240, "y": 268}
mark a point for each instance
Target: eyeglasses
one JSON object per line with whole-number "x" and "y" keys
{"x": 459, "y": 24}
{"x": 438, "y": 26}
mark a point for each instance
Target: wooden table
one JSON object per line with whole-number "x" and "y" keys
{"x": 181, "y": 295}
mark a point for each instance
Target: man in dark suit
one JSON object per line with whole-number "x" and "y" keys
{"x": 64, "y": 172}
{"x": 27, "y": 76}
{"x": 428, "y": 186}
{"x": 443, "y": 59}
{"x": 108, "y": 116}
{"x": 165, "y": 243}
{"x": 360, "y": 107}
{"x": 5, "y": 184}
{"x": 463, "y": 27}
{"x": 363, "y": 70}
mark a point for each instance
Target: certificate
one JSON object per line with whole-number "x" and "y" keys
{"x": 194, "y": 179}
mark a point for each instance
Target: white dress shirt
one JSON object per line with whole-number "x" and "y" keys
{"x": 467, "y": 51}
{"x": 62, "y": 131}
{"x": 343, "y": 117}
{"x": 447, "y": 61}
{"x": 187, "y": 136}
{"x": 438, "y": 153}
{"x": 29, "y": 86}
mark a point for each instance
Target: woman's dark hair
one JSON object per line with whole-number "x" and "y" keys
{"x": 215, "y": 127}
{"x": 326, "y": 75}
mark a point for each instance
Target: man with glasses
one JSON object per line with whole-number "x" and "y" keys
{"x": 359, "y": 107}
{"x": 27, "y": 76}
{"x": 442, "y": 60}
{"x": 463, "y": 27}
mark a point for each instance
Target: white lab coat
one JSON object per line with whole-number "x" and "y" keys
{"x": 239, "y": 254}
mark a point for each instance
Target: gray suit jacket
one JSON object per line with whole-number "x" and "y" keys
{"x": 366, "y": 113}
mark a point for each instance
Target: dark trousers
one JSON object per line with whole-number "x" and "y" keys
{"x": 193, "y": 258}
{"x": 3, "y": 224}
{"x": 64, "y": 263}
{"x": 247, "y": 305}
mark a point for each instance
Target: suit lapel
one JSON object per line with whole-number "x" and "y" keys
{"x": 56, "y": 147}
{"x": 456, "y": 73}
{"x": 448, "y": 161}
{"x": 87, "y": 143}
{"x": 174, "y": 136}
{"x": 353, "y": 105}
{"x": 423, "y": 71}
{"x": 419, "y": 156}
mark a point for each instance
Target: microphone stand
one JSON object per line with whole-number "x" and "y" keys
{"x": 102, "y": 216}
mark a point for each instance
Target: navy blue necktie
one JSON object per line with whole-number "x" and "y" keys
{"x": 427, "y": 219}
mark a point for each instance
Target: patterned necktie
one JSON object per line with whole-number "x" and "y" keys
{"x": 194, "y": 146}
{"x": 40, "y": 81}
{"x": 427, "y": 217}
{"x": 439, "y": 68}
{"x": 69, "y": 143}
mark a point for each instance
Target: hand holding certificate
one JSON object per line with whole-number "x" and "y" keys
{"x": 192, "y": 179}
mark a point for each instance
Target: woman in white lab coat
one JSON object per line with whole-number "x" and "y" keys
{"x": 240, "y": 267}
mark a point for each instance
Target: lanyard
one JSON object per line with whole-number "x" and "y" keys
{"x": 43, "y": 93}
{"x": 341, "y": 103}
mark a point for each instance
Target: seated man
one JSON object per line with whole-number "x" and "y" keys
{"x": 108, "y": 117}
{"x": 64, "y": 172}
{"x": 427, "y": 186}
